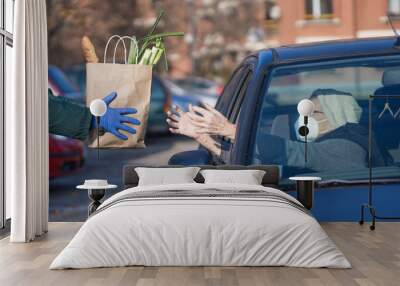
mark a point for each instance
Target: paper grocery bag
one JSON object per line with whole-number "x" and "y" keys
{"x": 133, "y": 86}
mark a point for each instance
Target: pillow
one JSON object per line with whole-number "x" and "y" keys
{"x": 248, "y": 177}
{"x": 166, "y": 176}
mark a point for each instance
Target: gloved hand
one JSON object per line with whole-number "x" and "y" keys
{"x": 115, "y": 119}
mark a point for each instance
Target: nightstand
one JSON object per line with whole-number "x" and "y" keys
{"x": 96, "y": 191}
{"x": 305, "y": 189}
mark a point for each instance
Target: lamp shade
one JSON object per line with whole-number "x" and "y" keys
{"x": 98, "y": 107}
{"x": 305, "y": 107}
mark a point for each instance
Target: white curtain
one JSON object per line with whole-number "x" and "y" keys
{"x": 27, "y": 124}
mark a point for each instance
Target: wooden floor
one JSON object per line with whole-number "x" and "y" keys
{"x": 375, "y": 257}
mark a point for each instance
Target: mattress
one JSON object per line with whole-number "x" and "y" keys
{"x": 201, "y": 225}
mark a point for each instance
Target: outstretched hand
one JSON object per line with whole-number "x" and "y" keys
{"x": 116, "y": 119}
{"x": 210, "y": 121}
{"x": 180, "y": 123}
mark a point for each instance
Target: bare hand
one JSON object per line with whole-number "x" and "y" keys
{"x": 211, "y": 121}
{"x": 180, "y": 123}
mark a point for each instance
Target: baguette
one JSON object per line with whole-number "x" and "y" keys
{"x": 88, "y": 50}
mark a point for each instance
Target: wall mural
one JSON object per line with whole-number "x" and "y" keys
{"x": 214, "y": 105}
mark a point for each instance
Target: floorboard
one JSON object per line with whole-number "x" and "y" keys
{"x": 375, "y": 257}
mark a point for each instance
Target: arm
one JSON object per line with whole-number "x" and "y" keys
{"x": 68, "y": 118}
{"x": 210, "y": 144}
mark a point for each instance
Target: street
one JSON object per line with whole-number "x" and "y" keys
{"x": 69, "y": 204}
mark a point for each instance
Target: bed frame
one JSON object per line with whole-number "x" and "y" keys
{"x": 271, "y": 178}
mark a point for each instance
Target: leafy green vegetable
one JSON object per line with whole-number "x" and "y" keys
{"x": 133, "y": 51}
{"x": 163, "y": 35}
{"x": 154, "y": 27}
{"x": 146, "y": 57}
{"x": 148, "y": 40}
{"x": 153, "y": 54}
{"x": 149, "y": 50}
{"x": 160, "y": 51}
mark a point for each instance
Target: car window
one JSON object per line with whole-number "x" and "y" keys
{"x": 337, "y": 146}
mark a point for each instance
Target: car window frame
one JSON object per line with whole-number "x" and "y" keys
{"x": 226, "y": 110}
{"x": 236, "y": 93}
{"x": 240, "y": 97}
{"x": 244, "y": 65}
{"x": 232, "y": 114}
{"x": 219, "y": 105}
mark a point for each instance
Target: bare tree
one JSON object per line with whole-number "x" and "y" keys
{"x": 69, "y": 21}
{"x": 216, "y": 30}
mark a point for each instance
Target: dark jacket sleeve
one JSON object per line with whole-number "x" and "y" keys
{"x": 68, "y": 118}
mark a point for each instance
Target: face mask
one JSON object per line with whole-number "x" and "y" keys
{"x": 323, "y": 126}
{"x": 313, "y": 128}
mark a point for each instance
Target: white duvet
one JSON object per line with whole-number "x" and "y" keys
{"x": 190, "y": 231}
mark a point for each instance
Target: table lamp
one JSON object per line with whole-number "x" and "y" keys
{"x": 98, "y": 108}
{"x": 305, "y": 108}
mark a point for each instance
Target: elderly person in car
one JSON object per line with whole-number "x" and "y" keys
{"x": 338, "y": 141}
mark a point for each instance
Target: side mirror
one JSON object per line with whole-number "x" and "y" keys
{"x": 193, "y": 157}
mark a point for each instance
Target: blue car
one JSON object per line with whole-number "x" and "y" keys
{"x": 62, "y": 85}
{"x": 261, "y": 98}
{"x": 182, "y": 97}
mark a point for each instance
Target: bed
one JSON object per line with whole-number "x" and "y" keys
{"x": 199, "y": 224}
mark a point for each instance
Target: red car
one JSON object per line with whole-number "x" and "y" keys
{"x": 65, "y": 154}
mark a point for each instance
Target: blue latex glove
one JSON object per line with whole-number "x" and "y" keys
{"x": 115, "y": 119}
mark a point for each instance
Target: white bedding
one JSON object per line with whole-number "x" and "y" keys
{"x": 188, "y": 231}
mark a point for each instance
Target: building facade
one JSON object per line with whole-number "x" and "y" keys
{"x": 302, "y": 21}
{"x": 219, "y": 33}
{"x": 222, "y": 32}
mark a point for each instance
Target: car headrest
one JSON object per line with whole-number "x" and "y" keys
{"x": 281, "y": 126}
{"x": 391, "y": 77}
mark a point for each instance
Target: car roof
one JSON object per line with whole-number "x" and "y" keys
{"x": 335, "y": 49}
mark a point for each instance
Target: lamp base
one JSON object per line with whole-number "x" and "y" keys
{"x": 303, "y": 130}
